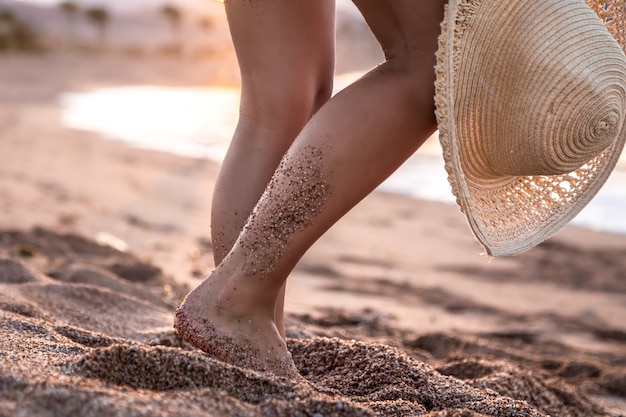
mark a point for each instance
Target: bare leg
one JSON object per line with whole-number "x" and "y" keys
{"x": 285, "y": 50}
{"x": 352, "y": 144}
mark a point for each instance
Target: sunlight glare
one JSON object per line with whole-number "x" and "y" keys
{"x": 197, "y": 122}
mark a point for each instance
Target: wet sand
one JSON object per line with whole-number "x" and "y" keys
{"x": 393, "y": 312}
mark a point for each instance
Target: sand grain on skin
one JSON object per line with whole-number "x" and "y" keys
{"x": 295, "y": 195}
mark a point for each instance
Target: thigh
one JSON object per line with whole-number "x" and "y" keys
{"x": 285, "y": 50}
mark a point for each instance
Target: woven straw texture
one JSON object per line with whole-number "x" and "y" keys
{"x": 489, "y": 160}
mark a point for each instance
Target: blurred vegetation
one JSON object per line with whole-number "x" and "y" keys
{"x": 70, "y": 10}
{"x": 174, "y": 17}
{"x": 18, "y": 35}
{"x": 99, "y": 17}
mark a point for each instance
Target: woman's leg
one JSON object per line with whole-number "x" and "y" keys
{"x": 355, "y": 141}
{"x": 285, "y": 50}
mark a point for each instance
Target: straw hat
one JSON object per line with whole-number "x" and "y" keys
{"x": 531, "y": 107}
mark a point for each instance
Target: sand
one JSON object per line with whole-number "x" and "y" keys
{"x": 392, "y": 313}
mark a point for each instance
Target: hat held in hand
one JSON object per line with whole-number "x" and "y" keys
{"x": 531, "y": 108}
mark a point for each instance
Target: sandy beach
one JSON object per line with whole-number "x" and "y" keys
{"x": 394, "y": 312}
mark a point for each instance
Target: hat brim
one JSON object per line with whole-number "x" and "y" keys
{"x": 509, "y": 215}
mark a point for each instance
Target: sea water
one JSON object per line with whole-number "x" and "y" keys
{"x": 199, "y": 122}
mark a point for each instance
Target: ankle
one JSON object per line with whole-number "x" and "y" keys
{"x": 243, "y": 302}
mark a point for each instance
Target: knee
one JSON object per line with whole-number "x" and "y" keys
{"x": 417, "y": 74}
{"x": 414, "y": 83}
{"x": 286, "y": 101}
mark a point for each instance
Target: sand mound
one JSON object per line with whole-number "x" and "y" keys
{"x": 347, "y": 378}
{"x": 381, "y": 376}
{"x": 163, "y": 369}
{"x": 549, "y": 395}
{"x": 97, "y": 310}
{"x": 99, "y": 277}
{"x": 48, "y": 249}
{"x": 85, "y": 341}
{"x": 14, "y": 272}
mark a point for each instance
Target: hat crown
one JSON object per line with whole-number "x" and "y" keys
{"x": 553, "y": 91}
{"x": 538, "y": 77}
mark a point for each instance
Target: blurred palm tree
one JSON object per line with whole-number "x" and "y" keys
{"x": 205, "y": 26}
{"x": 175, "y": 18}
{"x": 15, "y": 34}
{"x": 7, "y": 24}
{"x": 99, "y": 17}
{"x": 70, "y": 10}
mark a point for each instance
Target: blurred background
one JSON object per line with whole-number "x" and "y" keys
{"x": 162, "y": 74}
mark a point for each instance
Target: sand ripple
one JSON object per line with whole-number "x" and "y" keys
{"x": 80, "y": 340}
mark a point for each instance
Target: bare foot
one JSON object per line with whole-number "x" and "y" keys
{"x": 248, "y": 340}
